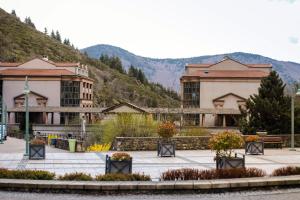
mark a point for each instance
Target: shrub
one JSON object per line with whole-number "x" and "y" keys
{"x": 166, "y": 129}
{"x": 194, "y": 132}
{"x": 286, "y": 171}
{"x": 99, "y": 147}
{"x": 252, "y": 138}
{"x": 120, "y": 156}
{"x": 76, "y": 176}
{"x": 195, "y": 174}
{"x": 37, "y": 141}
{"x": 128, "y": 125}
{"x": 224, "y": 143}
{"x": 123, "y": 177}
{"x": 26, "y": 174}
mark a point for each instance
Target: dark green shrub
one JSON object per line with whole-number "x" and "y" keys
{"x": 123, "y": 177}
{"x": 286, "y": 171}
{"x": 195, "y": 174}
{"x": 76, "y": 176}
{"x": 26, "y": 174}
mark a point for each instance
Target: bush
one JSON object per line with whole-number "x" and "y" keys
{"x": 286, "y": 171}
{"x": 252, "y": 138}
{"x": 120, "y": 156}
{"x": 123, "y": 177}
{"x": 76, "y": 176}
{"x": 37, "y": 141}
{"x": 128, "y": 125}
{"x": 224, "y": 143}
{"x": 166, "y": 129}
{"x": 26, "y": 174}
{"x": 195, "y": 174}
{"x": 194, "y": 132}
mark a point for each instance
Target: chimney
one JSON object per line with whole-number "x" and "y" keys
{"x": 45, "y": 58}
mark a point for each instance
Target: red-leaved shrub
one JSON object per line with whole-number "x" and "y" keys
{"x": 286, "y": 171}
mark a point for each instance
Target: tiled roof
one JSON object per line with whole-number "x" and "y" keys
{"x": 7, "y": 64}
{"x": 249, "y": 65}
{"x": 35, "y": 72}
{"x": 228, "y": 74}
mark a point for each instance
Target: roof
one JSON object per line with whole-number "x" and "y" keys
{"x": 206, "y": 65}
{"x": 228, "y": 74}
{"x": 31, "y": 92}
{"x": 124, "y": 104}
{"x": 35, "y": 72}
{"x": 228, "y": 94}
{"x": 57, "y": 64}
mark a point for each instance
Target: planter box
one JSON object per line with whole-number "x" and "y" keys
{"x": 254, "y": 148}
{"x": 37, "y": 151}
{"x": 230, "y": 162}
{"x": 166, "y": 149}
{"x": 115, "y": 166}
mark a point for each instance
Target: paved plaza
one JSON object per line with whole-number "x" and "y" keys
{"x": 60, "y": 161}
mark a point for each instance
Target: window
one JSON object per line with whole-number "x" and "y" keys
{"x": 191, "y": 94}
{"x": 70, "y": 93}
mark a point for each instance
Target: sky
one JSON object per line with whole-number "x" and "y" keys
{"x": 172, "y": 28}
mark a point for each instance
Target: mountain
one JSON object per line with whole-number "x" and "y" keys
{"x": 168, "y": 71}
{"x": 20, "y": 42}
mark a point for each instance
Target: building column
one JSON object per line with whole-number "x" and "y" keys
{"x": 45, "y": 118}
{"x": 203, "y": 120}
{"x": 224, "y": 120}
{"x": 8, "y": 117}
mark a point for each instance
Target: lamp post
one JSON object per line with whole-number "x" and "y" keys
{"x": 26, "y": 92}
{"x": 293, "y": 120}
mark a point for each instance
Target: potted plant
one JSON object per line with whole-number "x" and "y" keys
{"x": 224, "y": 143}
{"x": 118, "y": 163}
{"x": 166, "y": 147}
{"x": 37, "y": 149}
{"x": 254, "y": 145}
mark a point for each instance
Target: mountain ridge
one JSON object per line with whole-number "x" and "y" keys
{"x": 167, "y": 71}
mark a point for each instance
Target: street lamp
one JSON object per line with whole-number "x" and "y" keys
{"x": 293, "y": 120}
{"x": 26, "y": 92}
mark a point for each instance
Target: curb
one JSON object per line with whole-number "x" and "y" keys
{"x": 140, "y": 186}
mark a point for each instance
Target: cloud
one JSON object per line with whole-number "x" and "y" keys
{"x": 293, "y": 40}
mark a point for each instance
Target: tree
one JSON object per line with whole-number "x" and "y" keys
{"x": 57, "y": 36}
{"x": 269, "y": 109}
{"x": 53, "y": 35}
{"x": 45, "y": 31}
{"x": 13, "y": 12}
{"x": 29, "y": 22}
{"x": 67, "y": 41}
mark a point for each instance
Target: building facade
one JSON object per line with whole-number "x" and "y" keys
{"x": 218, "y": 90}
{"x": 51, "y": 84}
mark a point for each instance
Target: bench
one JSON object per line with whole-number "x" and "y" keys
{"x": 273, "y": 140}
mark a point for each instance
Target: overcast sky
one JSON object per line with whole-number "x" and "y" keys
{"x": 172, "y": 28}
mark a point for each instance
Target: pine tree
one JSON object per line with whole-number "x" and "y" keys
{"x": 269, "y": 109}
{"x": 29, "y": 22}
{"x": 57, "y": 36}
{"x": 67, "y": 41}
{"x": 45, "y": 31}
{"x": 53, "y": 35}
{"x": 13, "y": 12}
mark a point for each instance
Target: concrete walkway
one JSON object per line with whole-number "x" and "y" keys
{"x": 60, "y": 161}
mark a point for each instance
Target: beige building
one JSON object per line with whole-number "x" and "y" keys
{"x": 219, "y": 89}
{"x": 51, "y": 84}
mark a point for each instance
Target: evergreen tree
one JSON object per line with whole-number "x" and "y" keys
{"x": 29, "y": 22}
{"x": 67, "y": 41}
{"x": 53, "y": 35}
{"x": 269, "y": 109}
{"x": 13, "y": 12}
{"x": 57, "y": 36}
{"x": 45, "y": 31}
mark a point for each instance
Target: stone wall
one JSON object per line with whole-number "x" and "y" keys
{"x": 182, "y": 143}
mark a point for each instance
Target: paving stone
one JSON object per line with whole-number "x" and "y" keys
{"x": 218, "y": 184}
{"x": 202, "y": 184}
{"x": 184, "y": 185}
{"x": 165, "y": 185}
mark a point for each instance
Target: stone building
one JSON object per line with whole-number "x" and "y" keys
{"x": 52, "y": 85}
{"x": 214, "y": 92}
